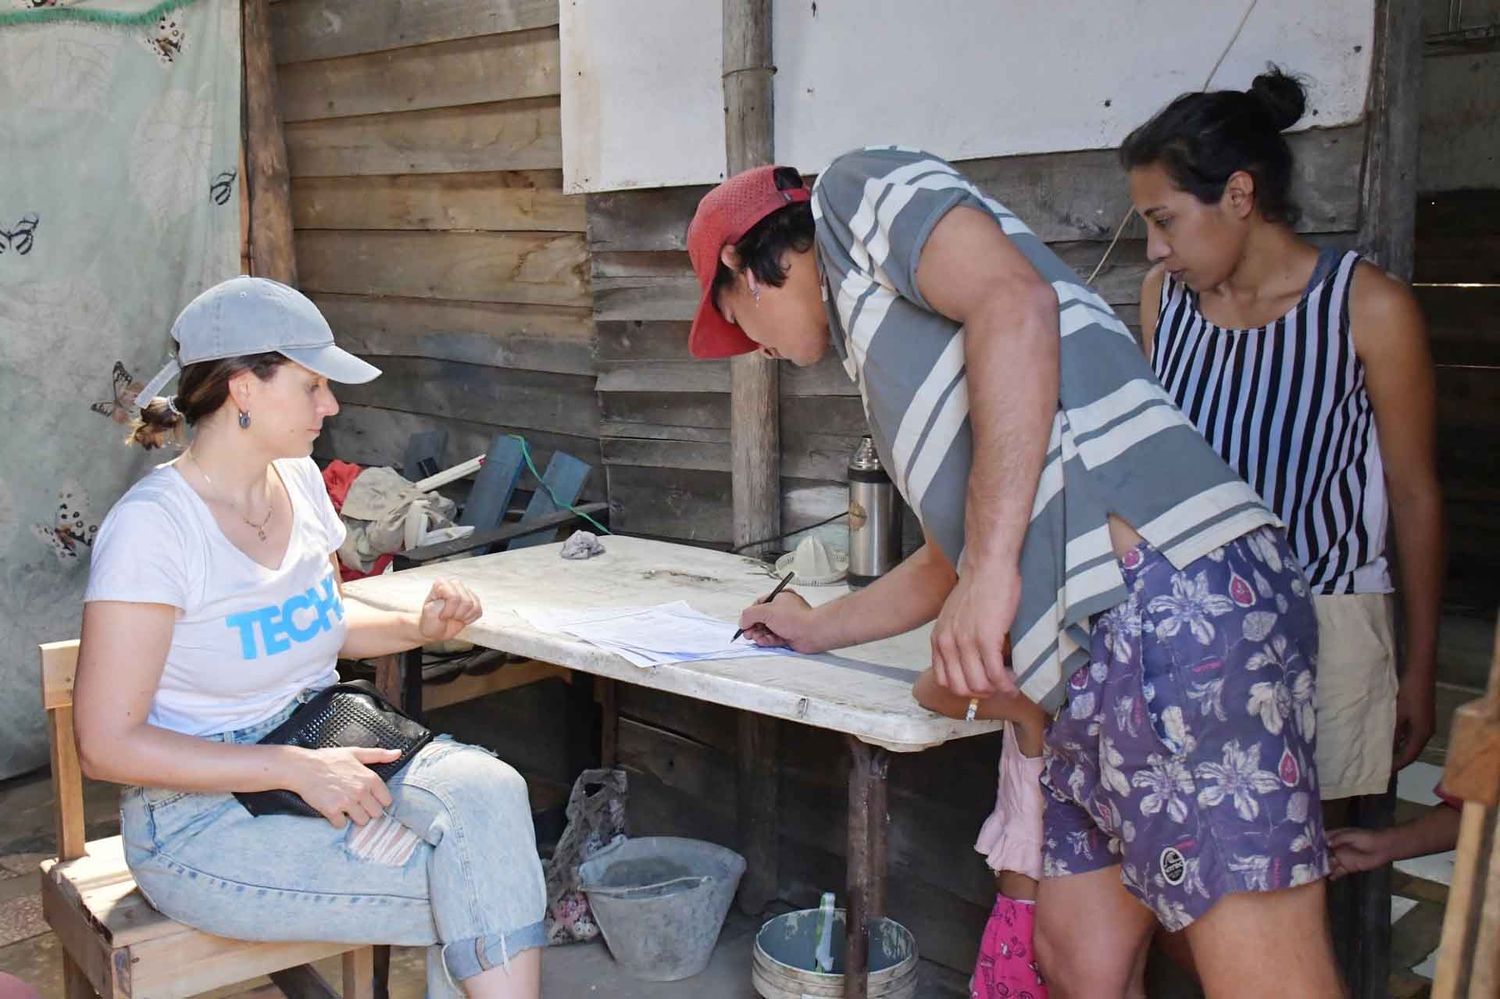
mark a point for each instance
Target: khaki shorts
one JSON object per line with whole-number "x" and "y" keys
{"x": 1356, "y": 693}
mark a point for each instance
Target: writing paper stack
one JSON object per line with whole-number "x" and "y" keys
{"x": 650, "y": 636}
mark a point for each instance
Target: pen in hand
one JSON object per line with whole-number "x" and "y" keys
{"x": 779, "y": 587}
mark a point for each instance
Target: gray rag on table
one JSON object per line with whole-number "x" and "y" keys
{"x": 583, "y": 544}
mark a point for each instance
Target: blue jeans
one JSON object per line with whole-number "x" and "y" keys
{"x": 472, "y": 890}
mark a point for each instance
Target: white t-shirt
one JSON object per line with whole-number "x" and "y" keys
{"x": 247, "y": 638}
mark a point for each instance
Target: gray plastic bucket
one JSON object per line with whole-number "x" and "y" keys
{"x": 661, "y": 901}
{"x": 782, "y": 967}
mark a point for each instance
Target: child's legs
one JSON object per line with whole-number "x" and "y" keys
{"x": 1007, "y": 967}
{"x": 1012, "y": 884}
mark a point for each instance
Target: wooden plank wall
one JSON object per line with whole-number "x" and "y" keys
{"x": 664, "y": 436}
{"x": 424, "y": 143}
{"x": 665, "y": 419}
{"x": 1458, "y": 283}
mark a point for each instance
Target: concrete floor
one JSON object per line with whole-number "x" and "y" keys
{"x": 584, "y": 970}
{"x": 29, "y": 951}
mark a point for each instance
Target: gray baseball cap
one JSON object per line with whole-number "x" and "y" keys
{"x": 253, "y": 315}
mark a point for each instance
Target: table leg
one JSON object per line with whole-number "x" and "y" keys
{"x": 879, "y": 822}
{"x": 390, "y": 681}
{"x": 609, "y": 721}
{"x": 581, "y": 724}
{"x": 388, "y": 677}
{"x": 382, "y": 971}
{"x": 759, "y": 810}
{"x": 867, "y": 860}
{"x": 411, "y": 683}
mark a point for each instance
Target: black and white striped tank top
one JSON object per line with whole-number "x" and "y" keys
{"x": 1285, "y": 406}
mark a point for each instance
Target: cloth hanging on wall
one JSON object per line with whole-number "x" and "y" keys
{"x": 119, "y": 201}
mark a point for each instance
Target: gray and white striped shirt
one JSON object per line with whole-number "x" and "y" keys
{"x": 1118, "y": 443}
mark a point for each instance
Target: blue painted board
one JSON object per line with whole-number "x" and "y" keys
{"x": 566, "y": 475}
{"x": 493, "y": 486}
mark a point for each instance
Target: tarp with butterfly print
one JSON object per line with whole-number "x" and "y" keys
{"x": 119, "y": 201}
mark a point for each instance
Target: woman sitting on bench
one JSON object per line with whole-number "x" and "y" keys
{"x": 213, "y": 611}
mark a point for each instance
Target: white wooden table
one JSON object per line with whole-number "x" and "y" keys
{"x": 863, "y": 692}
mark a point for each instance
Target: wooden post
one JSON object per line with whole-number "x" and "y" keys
{"x": 754, "y": 437}
{"x": 755, "y": 416}
{"x": 1389, "y": 217}
{"x": 67, "y": 784}
{"x": 1387, "y": 235}
{"x": 267, "y": 181}
{"x": 244, "y": 210}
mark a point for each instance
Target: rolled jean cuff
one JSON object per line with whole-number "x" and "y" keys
{"x": 467, "y": 958}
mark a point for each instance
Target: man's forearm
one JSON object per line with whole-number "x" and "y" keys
{"x": 1011, "y": 357}
{"x": 907, "y": 597}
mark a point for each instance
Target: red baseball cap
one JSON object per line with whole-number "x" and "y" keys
{"x": 723, "y": 217}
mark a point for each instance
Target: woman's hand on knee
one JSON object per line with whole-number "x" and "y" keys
{"x": 341, "y": 786}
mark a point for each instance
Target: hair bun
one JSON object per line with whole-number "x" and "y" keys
{"x": 159, "y": 423}
{"x": 1282, "y": 95}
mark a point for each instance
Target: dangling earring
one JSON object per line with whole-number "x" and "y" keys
{"x": 755, "y": 293}
{"x": 244, "y": 420}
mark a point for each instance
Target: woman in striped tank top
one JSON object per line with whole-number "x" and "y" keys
{"x": 1308, "y": 371}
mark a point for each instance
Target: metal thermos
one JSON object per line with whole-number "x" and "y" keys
{"x": 874, "y": 517}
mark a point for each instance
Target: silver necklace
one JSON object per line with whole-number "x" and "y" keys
{"x": 260, "y": 529}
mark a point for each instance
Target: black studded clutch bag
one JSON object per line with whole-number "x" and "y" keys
{"x": 340, "y": 716}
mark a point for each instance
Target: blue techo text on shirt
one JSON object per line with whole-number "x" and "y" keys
{"x": 276, "y": 625}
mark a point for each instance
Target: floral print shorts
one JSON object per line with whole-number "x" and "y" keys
{"x": 1184, "y": 752}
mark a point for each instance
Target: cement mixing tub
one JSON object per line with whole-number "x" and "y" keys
{"x": 661, "y": 901}
{"x": 783, "y": 961}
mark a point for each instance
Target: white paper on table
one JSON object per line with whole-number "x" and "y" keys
{"x": 648, "y": 636}
{"x": 553, "y": 619}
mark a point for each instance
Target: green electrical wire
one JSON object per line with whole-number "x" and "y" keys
{"x": 526, "y": 456}
{"x": 79, "y": 14}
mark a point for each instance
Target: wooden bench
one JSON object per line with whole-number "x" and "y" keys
{"x": 114, "y": 943}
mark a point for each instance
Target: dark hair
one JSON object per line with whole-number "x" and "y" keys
{"x": 760, "y": 250}
{"x": 1201, "y": 139}
{"x": 201, "y": 391}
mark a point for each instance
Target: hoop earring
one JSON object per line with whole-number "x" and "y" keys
{"x": 244, "y": 420}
